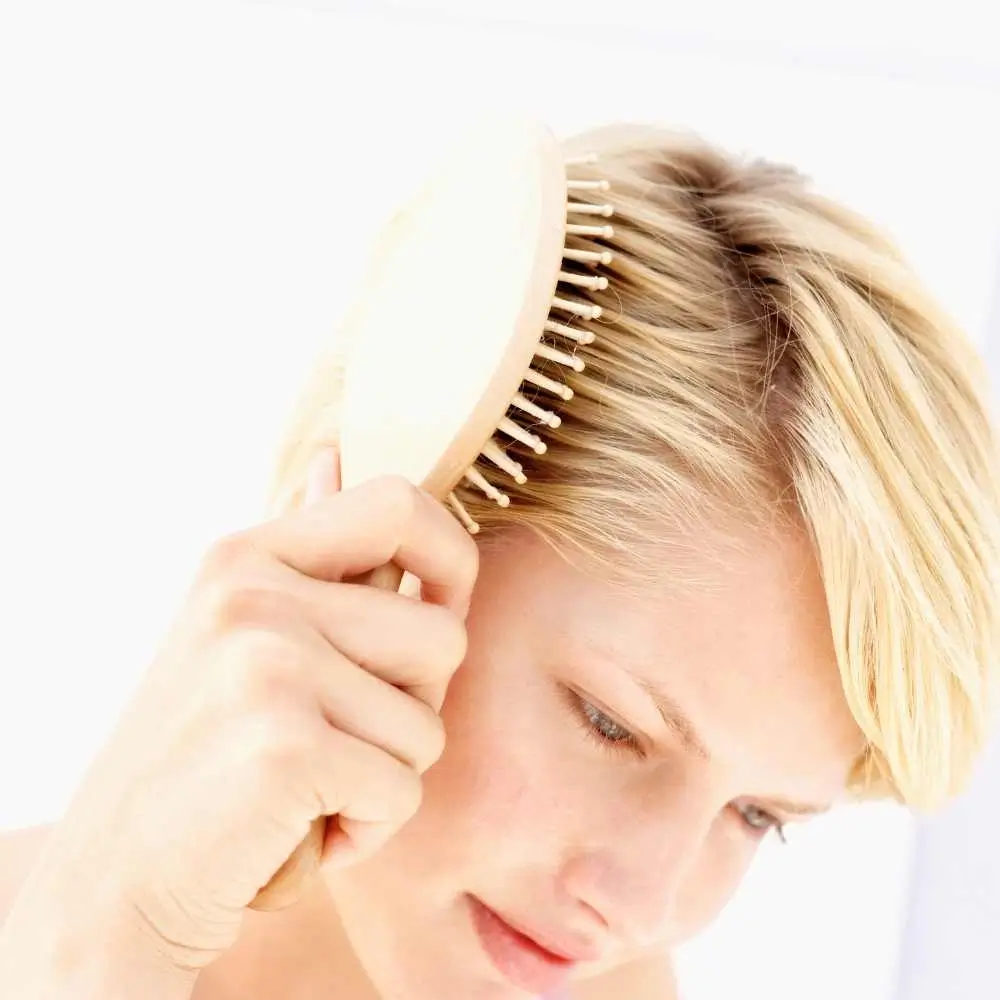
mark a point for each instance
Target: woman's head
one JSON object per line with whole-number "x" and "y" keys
{"x": 774, "y": 499}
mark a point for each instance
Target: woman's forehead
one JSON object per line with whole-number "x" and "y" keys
{"x": 744, "y": 645}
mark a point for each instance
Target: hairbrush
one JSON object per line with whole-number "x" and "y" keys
{"x": 470, "y": 285}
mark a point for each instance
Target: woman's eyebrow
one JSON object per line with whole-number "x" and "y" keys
{"x": 675, "y": 718}
{"x": 679, "y": 723}
{"x": 794, "y": 808}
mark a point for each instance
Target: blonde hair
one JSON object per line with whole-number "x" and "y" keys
{"x": 763, "y": 348}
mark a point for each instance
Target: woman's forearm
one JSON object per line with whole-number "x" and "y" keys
{"x": 64, "y": 946}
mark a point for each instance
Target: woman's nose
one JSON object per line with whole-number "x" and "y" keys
{"x": 632, "y": 867}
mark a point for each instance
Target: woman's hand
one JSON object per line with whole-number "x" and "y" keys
{"x": 282, "y": 693}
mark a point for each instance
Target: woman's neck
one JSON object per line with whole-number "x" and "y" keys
{"x": 295, "y": 954}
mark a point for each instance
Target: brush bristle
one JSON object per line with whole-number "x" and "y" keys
{"x": 561, "y": 339}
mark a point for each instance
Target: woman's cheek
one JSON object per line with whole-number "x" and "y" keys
{"x": 493, "y": 776}
{"x": 506, "y": 764}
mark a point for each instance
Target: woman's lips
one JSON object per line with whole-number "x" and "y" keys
{"x": 520, "y": 959}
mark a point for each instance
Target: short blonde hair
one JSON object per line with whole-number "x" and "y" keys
{"x": 765, "y": 349}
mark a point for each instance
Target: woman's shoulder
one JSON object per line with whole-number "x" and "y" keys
{"x": 19, "y": 849}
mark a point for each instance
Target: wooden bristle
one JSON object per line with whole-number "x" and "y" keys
{"x": 462, "y": 514}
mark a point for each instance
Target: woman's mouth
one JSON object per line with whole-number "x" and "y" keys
{"x": 520, "y": 959}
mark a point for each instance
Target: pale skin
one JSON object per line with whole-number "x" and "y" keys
{"x": 528, "y": 735}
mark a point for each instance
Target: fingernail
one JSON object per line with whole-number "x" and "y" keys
{"x": 320, "y": 476}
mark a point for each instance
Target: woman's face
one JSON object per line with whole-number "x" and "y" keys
{"x": 613, "y": 763}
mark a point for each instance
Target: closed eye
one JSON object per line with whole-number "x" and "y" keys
{"x": 603, "y": 728}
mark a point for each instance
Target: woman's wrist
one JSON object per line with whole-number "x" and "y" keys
{"x": 70, "y": 946}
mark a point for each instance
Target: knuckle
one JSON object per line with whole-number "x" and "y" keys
{"x": 264, "y": 669}
{"x": 227, "y": 554}
{"x": 400, "y": 497}
{"x": 235, "y": 603}
{"x": 274, "y": 743}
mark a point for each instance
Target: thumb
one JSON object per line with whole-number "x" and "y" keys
{"x": 322, "y": 476}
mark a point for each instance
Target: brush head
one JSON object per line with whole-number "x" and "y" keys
{"x": 452, "y": 308}
{"x": 471, "y": 283}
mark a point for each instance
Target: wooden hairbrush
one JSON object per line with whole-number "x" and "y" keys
{"x": 470, "y": 283}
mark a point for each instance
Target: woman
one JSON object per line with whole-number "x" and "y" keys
{"x": 753, "y": 577}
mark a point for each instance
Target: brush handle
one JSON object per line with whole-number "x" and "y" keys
{"x": 290, "y": 881}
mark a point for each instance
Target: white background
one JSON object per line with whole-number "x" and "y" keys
{"x": 186, "y": 190}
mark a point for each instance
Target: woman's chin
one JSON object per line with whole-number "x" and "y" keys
{"x": 430, "y": 956}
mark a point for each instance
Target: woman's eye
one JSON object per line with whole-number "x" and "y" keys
{"x": 761, "y": 822}
{"x": 605, "y": 726}
{"x": 601, "y": 727}
{"x": 612, "y": 735}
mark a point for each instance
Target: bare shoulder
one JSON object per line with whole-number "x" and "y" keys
{"x": 18, "y": 851}
{"x": 647, "y": 978}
